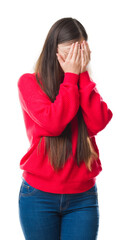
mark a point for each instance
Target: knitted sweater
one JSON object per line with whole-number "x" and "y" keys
{"x": 43, "y": 117}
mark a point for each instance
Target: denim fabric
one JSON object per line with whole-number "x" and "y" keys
{"x": 52, "y": 216}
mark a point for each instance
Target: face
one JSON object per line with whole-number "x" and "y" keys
{"x": 63, "y": 48}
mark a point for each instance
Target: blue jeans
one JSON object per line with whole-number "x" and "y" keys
{"x": 52, "y": 216}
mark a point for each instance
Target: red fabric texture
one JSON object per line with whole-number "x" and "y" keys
{"x": 44, "y": 118}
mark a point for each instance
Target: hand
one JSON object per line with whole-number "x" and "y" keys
{"x": 85, "y": 56}
{"x": 73, "y": 61}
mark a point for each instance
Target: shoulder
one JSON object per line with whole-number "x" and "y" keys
{"x": 27, "y": 83}
{"x": 26, "y": 78}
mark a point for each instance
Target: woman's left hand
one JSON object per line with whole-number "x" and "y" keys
{"x": 85, "y": 56}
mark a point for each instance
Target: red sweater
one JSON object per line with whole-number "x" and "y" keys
{"x": 44, "y": 118}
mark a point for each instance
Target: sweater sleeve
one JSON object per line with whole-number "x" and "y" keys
{"x": 95, "y": 111}
{"x": 53, "y": 117}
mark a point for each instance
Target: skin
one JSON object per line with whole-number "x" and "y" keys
{"x": 63, "y": 50}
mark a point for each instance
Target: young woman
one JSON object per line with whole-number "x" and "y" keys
{"x": 63, "y": 111}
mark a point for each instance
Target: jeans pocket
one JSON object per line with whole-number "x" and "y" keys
{"x": 26, "y": 189}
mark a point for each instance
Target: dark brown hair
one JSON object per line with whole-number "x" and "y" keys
{"x": 49, "y": 75}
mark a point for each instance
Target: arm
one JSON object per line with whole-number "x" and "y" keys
{"x": 95, "y": 111}
{"x": 52, "y": 117}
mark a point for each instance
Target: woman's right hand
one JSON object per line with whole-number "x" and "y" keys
{"x": 73, "y": 61}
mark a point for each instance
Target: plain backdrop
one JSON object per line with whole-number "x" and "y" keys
{"x": 23, "y": 29}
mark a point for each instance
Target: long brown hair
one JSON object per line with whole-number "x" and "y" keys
{"x": 49, "y": 74}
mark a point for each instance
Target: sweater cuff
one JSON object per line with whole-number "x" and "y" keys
{"x": 84, "y": 78}
{"x": 71, "y": 78}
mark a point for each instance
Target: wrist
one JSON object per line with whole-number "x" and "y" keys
{"x": 71, "y": 77}
{"x": 83, "y": 71}
{"x": 84, "y": 79}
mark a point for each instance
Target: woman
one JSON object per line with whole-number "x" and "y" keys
{"x": 63, "y": 111}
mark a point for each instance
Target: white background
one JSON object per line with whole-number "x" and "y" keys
{"x": 24, "y": 26}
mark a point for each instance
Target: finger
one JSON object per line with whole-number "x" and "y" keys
{"x": 70, "y": 52}
{"x": 83, "y": 50}
{"x": 78, "y": 53}
{"x": 75, "y": 52}
{"x": 60, "y": 59}
{"x": 82, "y": 57}
{"x": 82, "y": 46}
{"x": 87, "y": 47}
{"x": 85, "y": 56}
{"x": 87, "y": 51}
